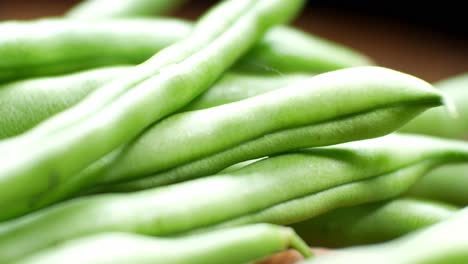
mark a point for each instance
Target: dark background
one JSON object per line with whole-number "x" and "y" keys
{"x": 429, "y": 40}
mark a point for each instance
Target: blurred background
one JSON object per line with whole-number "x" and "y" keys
{"x": 429, "y": 40}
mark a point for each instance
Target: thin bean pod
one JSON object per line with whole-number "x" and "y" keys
{"x": 448, "y": 183}
{"x": 24, "y": 104}
{"x": 283, "y": 189}
{"x": 372, "y": 223}
{"x": 443, "y": 243}
{"x": 119, "y": 111}
{"x": 92, "y": 9}
{"x": 438, "y": 122}
{"x": 236, "y": 245}
{"x": 27, "y": 50}
{"x": 278, "y": 121}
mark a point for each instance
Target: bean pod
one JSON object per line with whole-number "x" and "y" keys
{"x": 236, "y": 245}
{"x": 372, "y": 223}
{"x": 27, "y": 50}
{"x": 445, "y": 242}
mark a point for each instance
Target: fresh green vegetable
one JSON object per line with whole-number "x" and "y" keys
{"x": 314, "y": 112}
{"x": 437, "y": 121}
{"x": 235, "y": 245}
{"x": 443, "y": 243}
{"x": 58, "y": 46}
{"x": 284, "y": 189}
{"x": 119, "y": 111}
{"x": 372, "y": 223}
{"x": 91, "y": 9}
{"x": 24, "y": 104}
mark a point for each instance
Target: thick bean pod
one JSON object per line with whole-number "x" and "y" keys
{"x": 372, "y": 223}
{"x": 443, "y": 243}
{"x": 26, "y": 50}
{"x": 284, "y": 189}
{"x": 448, "y": 183}
{"x": 236, "y": 245}
{"x": 324, "y": 110}
{"x": 119, "y": 111}
{"x": 92, "y": 9}
{"x": 309, "y": 113}
{"x": 24, "y": 104}
{"x": 438, "y": 122}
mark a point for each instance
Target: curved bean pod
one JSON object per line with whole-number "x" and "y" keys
{"x": 119, "y": 111}
{"x": 24, "y": 104}
{"x": 70, "y": 45}
{"x": 236, "y": 245}
{"x": 278, "y": 121}
{"x": 372, "y": 223}
{"x": 442, "y": 243}
{"x": 438, "y": 122}
{"x": 283, "y": 189}
{"x": 90, "y": 9}
{"x": 447, "y": 183}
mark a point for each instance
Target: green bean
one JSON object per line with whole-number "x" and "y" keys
{"x": 282, "y": 189}
{"x": 372, "y": 223}
{"x": 235, "y": 245}
{"x": 90, "y": 9}
{"x": 443, "y": 243}
{"x": 119, "y": 111}
{"x": 278, "y": 121}
{"x": 24, "y": 104}
{"x": 438, "y": 122}
{"x": 447, "y": 183}
{"x": 27, "y": 50}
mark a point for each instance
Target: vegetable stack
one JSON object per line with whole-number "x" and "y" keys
{"x": 131, "y": 139}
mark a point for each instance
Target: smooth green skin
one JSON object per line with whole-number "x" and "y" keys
{"x": 92, "y": 9}
{"x": 119, "y": 111}
{"x": 278, "y": 121}
{"x": 24, "y": 104}
{"x": 443, "y": 243}
{"x": 438, "y": 122}
{"x": 447, "y": 183}
{"x": 235, "y": 245}
{"x": 72, "y": 45}
{"x": 372, "y": 223}
{"x": 283, "y": 189}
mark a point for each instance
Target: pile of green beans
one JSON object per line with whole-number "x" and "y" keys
{"x": 281, "y": 190}
{"x": 122, "y": 109}
{"x": 443, "y": 243}
{"x": 279, "y": 121}
{"x": 72, "y": 45}
{"x": 129, "y": 139}
{"x": 234, "y": 245}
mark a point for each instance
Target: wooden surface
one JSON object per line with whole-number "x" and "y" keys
{"x": 415, "y": 50}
